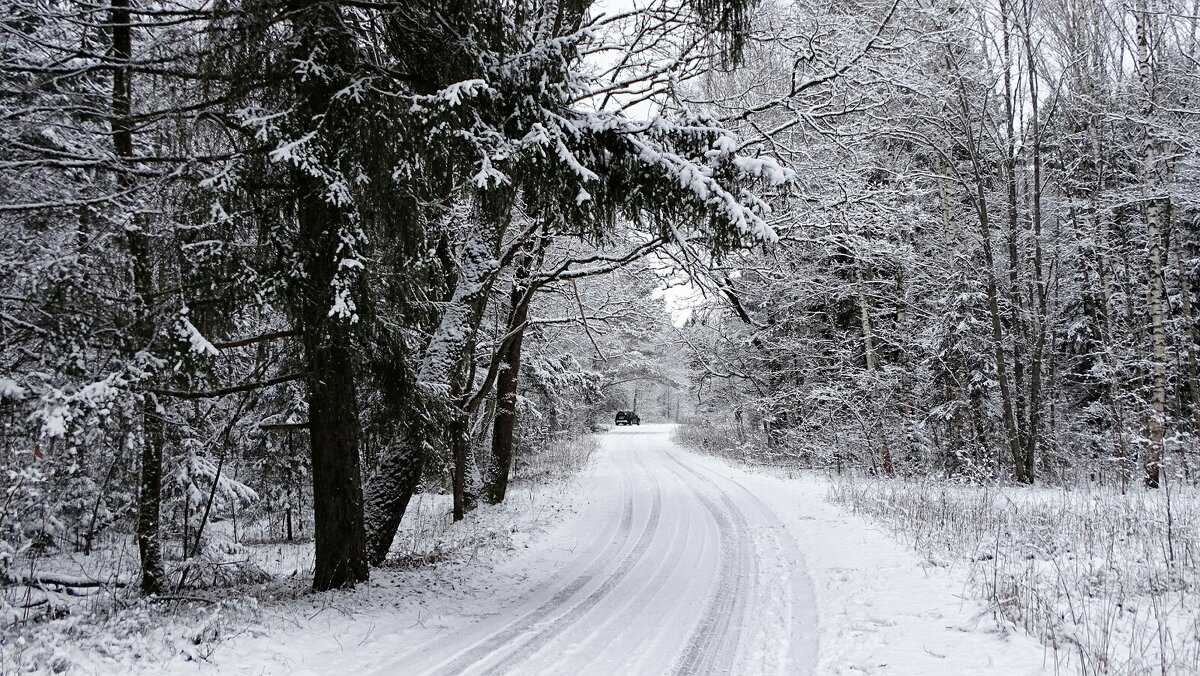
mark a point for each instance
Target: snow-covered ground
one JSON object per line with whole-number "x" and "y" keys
{"x": 1107, "y": 578}
{"x": 655, "y": 560}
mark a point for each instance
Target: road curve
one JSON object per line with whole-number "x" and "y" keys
{"x": 679, "y": 571}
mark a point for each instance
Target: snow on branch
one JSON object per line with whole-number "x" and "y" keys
{"x": 189, "y": 334}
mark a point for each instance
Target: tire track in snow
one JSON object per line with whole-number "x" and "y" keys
{"x": 712, "y": 647}
{"x": 425, "y": 658}
{"x": 565, "y": 621}
{"x": 602, "y": 631}
{"x": 652, "y": 598}
{"x": 555, "y": 613}
{"x": 799, "y": 621}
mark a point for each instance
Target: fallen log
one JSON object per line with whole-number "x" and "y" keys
{"x": 51, "y": 579}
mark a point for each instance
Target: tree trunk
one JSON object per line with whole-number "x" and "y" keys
{"x": 388, "y": 493}
{"x": 500, "y": 466}
{"x": 460, "y": 444}
{"x": 980, "y": 200}
{"x": 458, "y": 431}
{"x": 1039, "y": 330}
{"x": 150, "y": 484}
{"x": 390, "y": 487}
{"x": 1016, "y": 305}
{"x": 1154, "y": 232}
{"x": 1104, "y": 268}
{"x": 333, "y": 421}
{"x": 150, "y": 498}
{"x": 337, "y": 491}
{"x": 1189, "y": 336}
{"x": 1006, "y": 397}
{"x": 506, "y": 413}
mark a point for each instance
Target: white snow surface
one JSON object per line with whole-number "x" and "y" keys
{"x": 661, "y": 561}
{"x": 9, "y": 389}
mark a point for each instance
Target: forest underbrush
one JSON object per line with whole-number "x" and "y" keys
{"x": 1108, "y": 580}
{"x": 67, "y": 612}
{"x": 734, "y": 443}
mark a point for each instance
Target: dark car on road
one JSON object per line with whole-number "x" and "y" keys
{"x": 628, "y": 418}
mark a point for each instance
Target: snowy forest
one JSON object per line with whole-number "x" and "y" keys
{"x": 277, "y": 272}
{"x": 987, "y": 265}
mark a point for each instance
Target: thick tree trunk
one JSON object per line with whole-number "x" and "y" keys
{"x": 1158, "y": 396}
{"x": 388, "y": 493}
{"x": 333, "y": 421}
{"x": 328, "y": 334}
{"x": 337, "y": 489}
{"x": 150, "y": 485}
{"x": 390, "y": 487}
{"x": 149, "y": 499}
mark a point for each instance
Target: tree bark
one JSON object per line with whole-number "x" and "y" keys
{"x": 388, "y": 493}
{"x": 390, "y": 487}
{"x": 458, "y": 430}
{"x": 460, "y": 445}
{"x": 150, "y": 498}
{"x": 1189, "y": 336}
{"x": 333, "y": 421}
{"x": 505, "y": 425}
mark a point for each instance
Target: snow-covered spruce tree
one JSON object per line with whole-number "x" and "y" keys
{"x": 524, "y": 122}
{"x": 133, "y": 166}
{"x": 300, "y": 138}
{"x": 327, "y": 267}
{"x": 142, "y": 329}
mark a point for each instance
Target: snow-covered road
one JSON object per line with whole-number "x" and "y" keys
{"x": 680, "y": 570}
{"x": 664, "y": 562}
